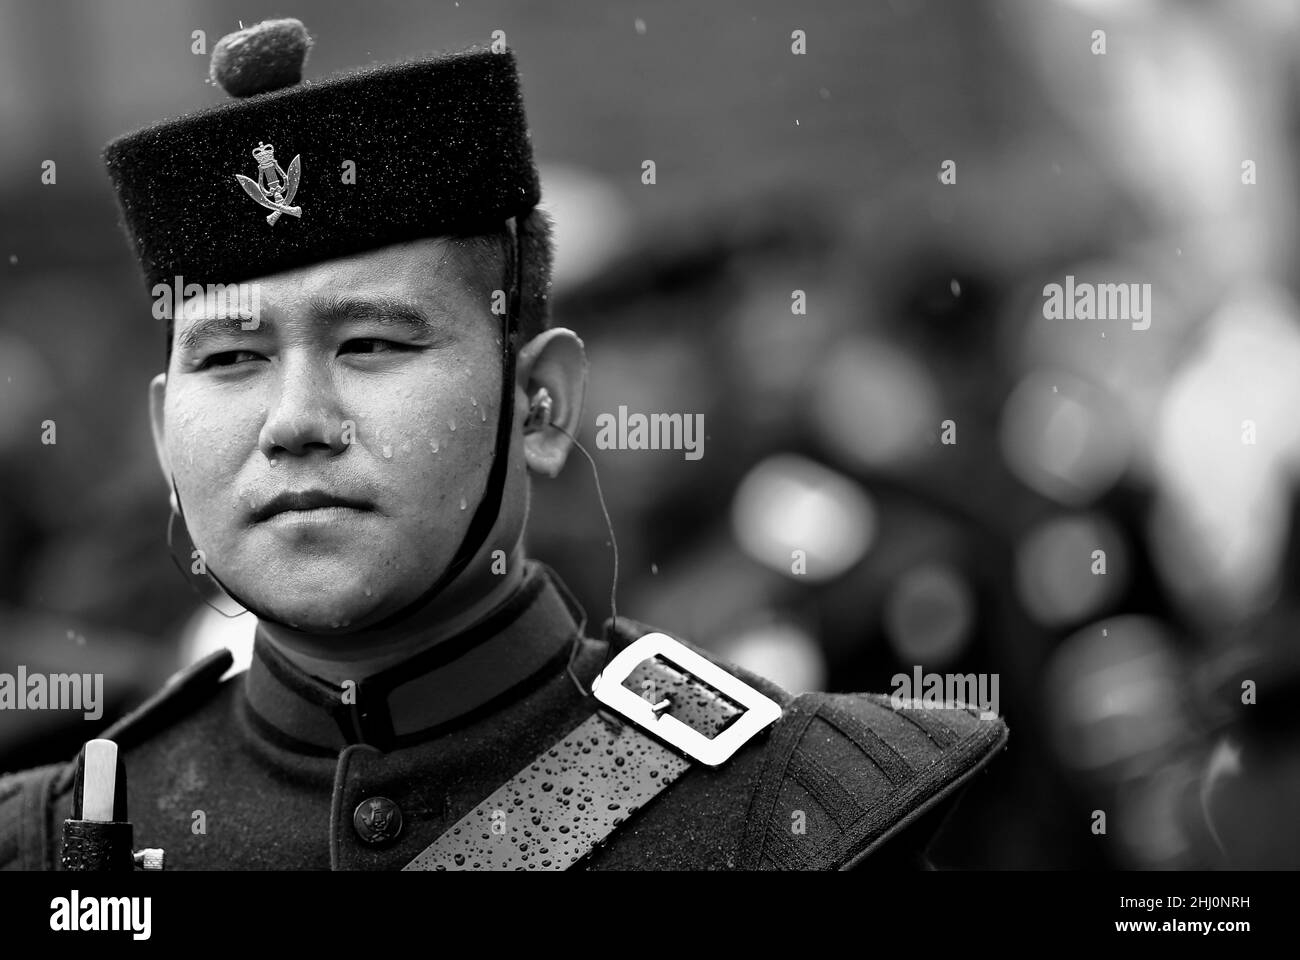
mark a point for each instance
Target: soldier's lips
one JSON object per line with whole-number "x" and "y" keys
{"x": 309, "y": 507}
{"x": 315, "y": 517}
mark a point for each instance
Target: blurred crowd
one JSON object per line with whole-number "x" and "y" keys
{"x": 1104, "y": 517}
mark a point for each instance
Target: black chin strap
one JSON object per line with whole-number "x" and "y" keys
{"x": 489, "y": 505}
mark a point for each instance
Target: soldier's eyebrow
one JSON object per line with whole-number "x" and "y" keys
{"x": 205, "y": 329}
{"x": 383, "y": 310}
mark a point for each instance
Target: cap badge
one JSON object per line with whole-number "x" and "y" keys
{"x": 273, "y": 188}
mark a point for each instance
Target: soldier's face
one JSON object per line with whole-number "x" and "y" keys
{"x": 329, "y": 461}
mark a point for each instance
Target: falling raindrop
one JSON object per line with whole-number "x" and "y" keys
{"x": 388, "y": 452}
{"x": 463, "y": 504}
{"x": 452, "y": 425}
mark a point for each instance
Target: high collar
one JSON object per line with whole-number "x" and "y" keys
{"x": 527, "y": 637}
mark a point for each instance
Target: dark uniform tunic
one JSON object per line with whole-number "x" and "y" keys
{"x": 272, "y": 770}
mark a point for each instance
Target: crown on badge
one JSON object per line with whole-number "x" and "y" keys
{"x": 264, "y": 154}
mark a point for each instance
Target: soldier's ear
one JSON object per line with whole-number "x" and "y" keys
{"x": 556, "y": 361}
{"x": 158, "y": 424}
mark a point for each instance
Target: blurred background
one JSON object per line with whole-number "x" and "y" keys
{"x": 1171, "y": 159}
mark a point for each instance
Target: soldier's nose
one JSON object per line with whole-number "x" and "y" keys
{"x": 304, "y": 417}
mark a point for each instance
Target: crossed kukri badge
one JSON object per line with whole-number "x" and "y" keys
{"x": 273, "y": 188}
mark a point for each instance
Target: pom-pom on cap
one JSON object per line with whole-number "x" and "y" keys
{"x": 258, "y": 59}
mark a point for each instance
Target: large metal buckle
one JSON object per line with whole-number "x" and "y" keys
{"x": 759, "y": 710}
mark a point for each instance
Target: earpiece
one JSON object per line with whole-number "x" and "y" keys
{"x": 539, "y": 410}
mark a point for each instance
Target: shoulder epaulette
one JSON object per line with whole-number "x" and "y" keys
{"x": 184, "y": 691}
{"x": 846, "y": 772}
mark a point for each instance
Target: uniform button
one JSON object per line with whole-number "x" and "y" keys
{"x": 377, "y": 820}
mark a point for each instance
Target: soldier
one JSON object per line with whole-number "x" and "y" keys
{"x": 350, "y": 451}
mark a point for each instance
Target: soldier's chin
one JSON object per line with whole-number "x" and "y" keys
{"x": 311, "y": 611}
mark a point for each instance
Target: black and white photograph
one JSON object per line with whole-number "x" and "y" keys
{"x": 755, "y": 437}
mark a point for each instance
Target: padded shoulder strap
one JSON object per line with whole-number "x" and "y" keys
{"x": 846, "y": 772}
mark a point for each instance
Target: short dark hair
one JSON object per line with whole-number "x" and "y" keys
{"x": 491, "y": 254}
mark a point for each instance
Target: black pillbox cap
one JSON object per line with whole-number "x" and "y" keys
{"x": 440, "y": 146}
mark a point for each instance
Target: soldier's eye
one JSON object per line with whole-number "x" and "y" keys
{"x": 228, "y": 358}
{"x": 370, "y": 345}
